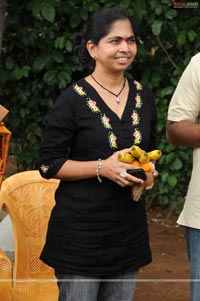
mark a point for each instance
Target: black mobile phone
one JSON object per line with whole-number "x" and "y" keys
{"x": 138, "y": 173}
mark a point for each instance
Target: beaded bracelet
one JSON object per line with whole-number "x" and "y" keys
{"x": 98, "y": 170}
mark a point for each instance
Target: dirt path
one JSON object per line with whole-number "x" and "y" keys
{"x": 167, "y": 277}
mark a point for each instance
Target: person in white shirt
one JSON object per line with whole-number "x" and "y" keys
{"x": 183, "y": 128}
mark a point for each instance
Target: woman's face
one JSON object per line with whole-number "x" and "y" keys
{"x": 117, "y": 50}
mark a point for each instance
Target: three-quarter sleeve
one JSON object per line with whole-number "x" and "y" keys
{"x": 57, "y": 136}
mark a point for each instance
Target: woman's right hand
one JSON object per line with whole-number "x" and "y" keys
{"x": 116, "y": 170}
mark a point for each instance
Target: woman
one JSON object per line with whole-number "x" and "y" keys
{"x": 97, "y": 236}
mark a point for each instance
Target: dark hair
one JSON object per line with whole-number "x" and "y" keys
{"x": 98, "y": 27}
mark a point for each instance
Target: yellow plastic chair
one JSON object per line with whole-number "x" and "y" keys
{"x": 5, "y": 136}
{"x": 28, "y": 199}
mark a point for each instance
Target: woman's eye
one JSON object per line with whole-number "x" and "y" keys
{"x": 115, "y": 41}
{"x": 131, "y": 40}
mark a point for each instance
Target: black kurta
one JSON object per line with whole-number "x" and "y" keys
{"x": 96, "y": 228}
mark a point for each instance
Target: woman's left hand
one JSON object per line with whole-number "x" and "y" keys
{"x": 154, "y": 174}
{"x": 116, "y": 170}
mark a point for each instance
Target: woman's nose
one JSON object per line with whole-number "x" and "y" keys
{"x": 124, "y": 45}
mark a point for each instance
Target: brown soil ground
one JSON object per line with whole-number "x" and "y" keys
{"x": 167, "y": 277}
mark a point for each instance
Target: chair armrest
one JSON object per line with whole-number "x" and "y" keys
{"x": 3, "y": 212}
{"x": 5, "y": 277}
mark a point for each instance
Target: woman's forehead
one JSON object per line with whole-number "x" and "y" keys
{"x": 121, "y": 28}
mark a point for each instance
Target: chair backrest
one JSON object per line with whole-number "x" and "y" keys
{"x": 29, "y": 199}
{"x": 5, "y": 135}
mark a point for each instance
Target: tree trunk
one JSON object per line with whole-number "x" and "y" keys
{"x": 2, "y": 19}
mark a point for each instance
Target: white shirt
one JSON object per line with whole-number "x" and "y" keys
{"x": 185, "y": 105}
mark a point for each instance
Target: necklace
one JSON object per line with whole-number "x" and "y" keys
{"x": 116, "y": 95}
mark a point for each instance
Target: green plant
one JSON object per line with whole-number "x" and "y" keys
{"x": 38, "y": 61}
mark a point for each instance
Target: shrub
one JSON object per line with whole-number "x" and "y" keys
{"x": 38, "y": 61}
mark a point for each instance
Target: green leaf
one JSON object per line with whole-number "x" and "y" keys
{"x": 191, "y": 35}
{"x": 181, "y": 38}
{"x": 170, "y": 157}
{"x": 25, "y": 71}
{"x": 170, "y": 147}
{"x": 69, "y": 46}
{"x": 164, "y": 176}
{"x": 177, "y": 164}
{"x": 20, "y": 73}
{"x": 156, "y": 27}
{"x": 60, "y": 42}
{"x": 48, "y": 12}
{"x": 158, "y": 9}
{"x": 63, "y": 79}
{"x": 166, "y": 91}
{"x": 160, "y": 125}
{"x": 39, "y": 64}
{"x": 75, "y": 20}
{"x": 171, "y": 14}
{"x": 50, "y": 77}
{"x": 17, "y": 74}
{"x": 185, "y": 155}
{"x": 172, "y": 180}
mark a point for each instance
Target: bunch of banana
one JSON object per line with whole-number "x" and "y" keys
{"x": 141, "y": 158}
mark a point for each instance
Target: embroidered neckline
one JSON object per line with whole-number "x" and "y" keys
{"x": 112, "y": 138}
{"x": 135, "y": 115}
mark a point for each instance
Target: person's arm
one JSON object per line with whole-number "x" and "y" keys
{"x": 183, "y": 133}
{"x": 110, "y": 168}
{"x": 184, "y": 108}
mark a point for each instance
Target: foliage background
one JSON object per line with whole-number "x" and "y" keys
{"x": 38, "y": 61}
